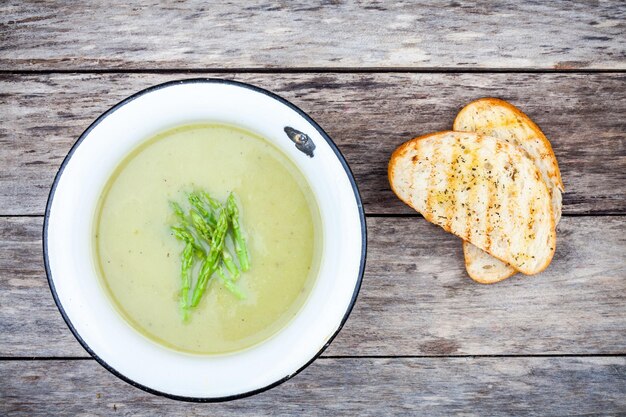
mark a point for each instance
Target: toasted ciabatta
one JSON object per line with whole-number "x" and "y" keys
{"x": 482, "y": 189}
{"x": 497, "y": 118}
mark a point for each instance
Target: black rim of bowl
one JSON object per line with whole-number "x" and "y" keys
{"x": 212, "y": 81}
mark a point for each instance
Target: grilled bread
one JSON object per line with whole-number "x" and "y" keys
{"x": 497, "y": 118}
{"x": 483, "y": 189}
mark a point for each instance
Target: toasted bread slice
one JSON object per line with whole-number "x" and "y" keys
{"x": 498, "y": 118}
{"x": 483, "y": 189}
{"x": 484, "y": 268}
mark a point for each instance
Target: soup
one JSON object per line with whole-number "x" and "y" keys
{"x": 139, "y": 261}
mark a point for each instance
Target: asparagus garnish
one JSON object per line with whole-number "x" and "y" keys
{"x": 184, "y": 235}
{"x": 207, "y": 226}
{"x": 186, "y": 229}
{"x": 230, "y": 264}
{"x": 202, "y": 226}
{"x": 206, "y": 212}
{"x": 240, "y": 243}
{"x": 180, "y": 214}
{"x": 186, "y": 262}
{"x": 213, "y": 203}
{"x": 178, "y": 211}
{"x": 228, "y": 284}
{"x": 212, "y": 260}
{"x": 205, "y": 231}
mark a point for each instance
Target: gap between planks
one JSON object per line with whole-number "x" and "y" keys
{"x": 539, "y": 355}
{"x": 316, "y": 70}
{"x": 384, "y": 215}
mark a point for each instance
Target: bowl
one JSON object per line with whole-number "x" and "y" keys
{"x": 92, "y": 317}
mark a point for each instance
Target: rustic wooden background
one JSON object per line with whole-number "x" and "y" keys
{"x": 423, "y": 338}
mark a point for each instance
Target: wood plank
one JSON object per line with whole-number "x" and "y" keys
{"x": 263, "y": 34}
{"x": 368, "y": 115}
{"x": 415, "y": 298}
{"x": 376, "y": 387}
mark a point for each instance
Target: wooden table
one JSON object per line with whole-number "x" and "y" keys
{"x": 423, "y": 338}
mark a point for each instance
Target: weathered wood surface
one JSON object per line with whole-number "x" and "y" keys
{"x": 436, "y": 328}
{"x": 368, "y": 115}
{"x": 264, "y": 34}
{"x": 363, "y": 387}
{"x": 416, "y": 298}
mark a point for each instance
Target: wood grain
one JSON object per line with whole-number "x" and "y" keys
{"x": 416, "y": 298}
{"x": 368, "y": 115}
{"x": 364, "y": 387}
{"x": 301, "y": 34}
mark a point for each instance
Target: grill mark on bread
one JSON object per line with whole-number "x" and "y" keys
{"x": 512, "y": 207}
{"x": 460, "y": 184}
{"x": 431, "y": 181}
{"x": 460, "y": 199}
{"x": 451, "y": 174}
{"x": 491, "y": 209}
{"x": 472, "y": 188}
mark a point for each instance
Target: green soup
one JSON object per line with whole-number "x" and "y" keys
{"x": 139, "y": 260}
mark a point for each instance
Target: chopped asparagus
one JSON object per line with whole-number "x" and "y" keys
{"x": 229, "y": 285}
{"x": 240, "y": 243}
{"x": 178, "y": 211}
{"x": 212, "y": 260}
{"x": 213, "y": 203}
{"x": 230, "y": 264}
{"x": 204, "y": 232}
{"x": 206, "y": 210}
{"x": 186, "y": 263}
{"x": 184, "y": 235}
{"x": 202, "y": 226}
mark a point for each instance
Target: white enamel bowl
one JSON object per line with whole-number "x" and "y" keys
{"x": 90, "y": 314}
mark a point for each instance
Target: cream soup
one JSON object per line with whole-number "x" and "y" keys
{"x": 139, "y": 260}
